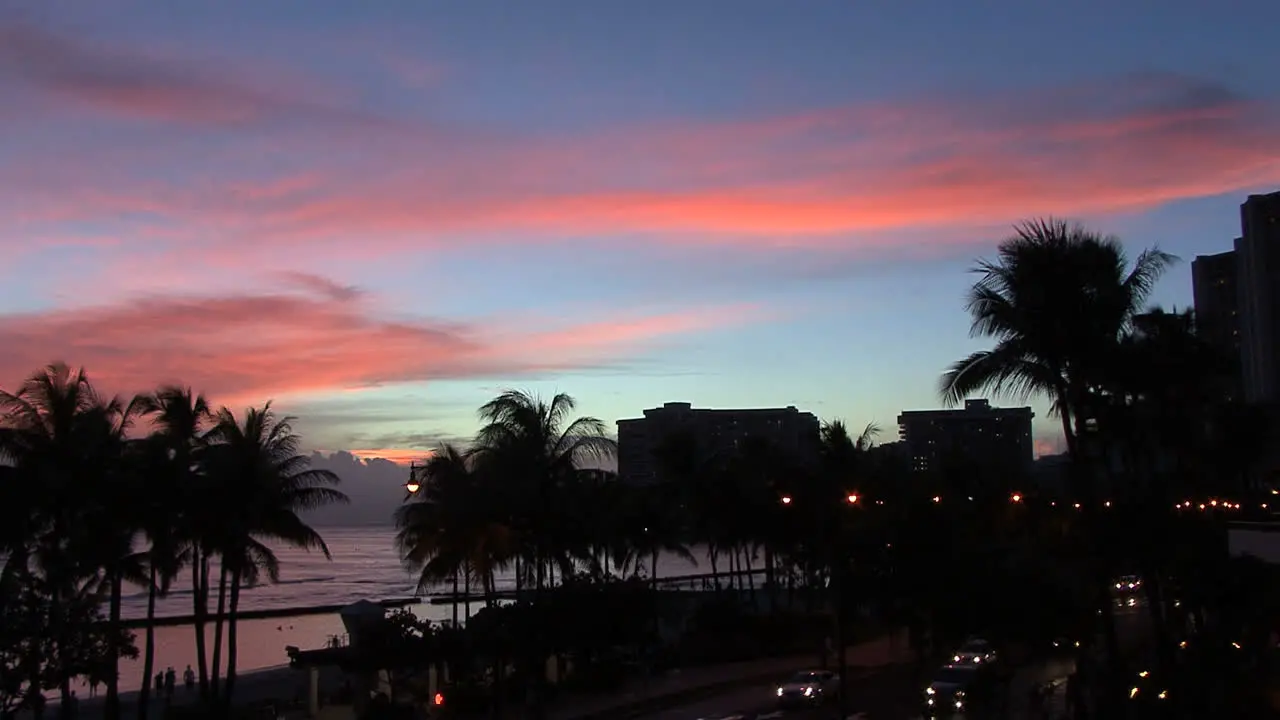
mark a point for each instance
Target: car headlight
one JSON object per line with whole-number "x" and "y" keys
{"x": 930, "y": 691}
{"x": 957, "y": 658}
{"x": 808, "y": 692}
{"x": 779, "y": 692}
{"x": 959, "y": 694}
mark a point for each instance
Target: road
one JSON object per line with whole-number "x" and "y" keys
{"x": 873, "y": 694}
{"x": 889, "y": 693}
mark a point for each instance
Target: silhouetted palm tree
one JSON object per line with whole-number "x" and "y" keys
{"x": 436, "y": 526}
{"x": 539, "y": 451}
{"x": 264, "y": 483}
{"x": 1056, "y": 302}
{"x": 171, "y": 513}
{"x": 57, "y": 434}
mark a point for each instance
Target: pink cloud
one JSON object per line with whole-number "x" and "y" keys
{"x": 252, "y": 347}
{"x": 835, "y": 178}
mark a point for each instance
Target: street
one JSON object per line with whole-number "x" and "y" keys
{"x": 873, "y": 694}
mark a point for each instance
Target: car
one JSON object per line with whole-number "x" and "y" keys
{"x": 957, "y": 689}
{"x": 808, "y": 687}
{"x": 975, "y": 651}
{"x": 1064, "y": 647}
{"x": 1128, "y": 584}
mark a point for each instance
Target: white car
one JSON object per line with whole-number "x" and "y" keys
{"x": 974, "y": 652}
{"x": 808, "y": 687}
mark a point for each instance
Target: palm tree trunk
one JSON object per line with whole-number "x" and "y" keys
{"x": 149, "y": 652}
{"x": 519, "y": 576}
{"x": 111, "y": 710}
{"x": 231, "y": 639}
{"x": 466, "y": 588}
{"x": 219, "y": 621}
{"x": 199, "y": 610}
{"x": 715, "y": 570}
{"x": 455, "y": 597}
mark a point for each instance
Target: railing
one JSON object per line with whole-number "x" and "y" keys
{"x": 697, "y": 582}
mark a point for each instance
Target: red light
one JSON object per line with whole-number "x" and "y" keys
{"x": 438, "y": 699}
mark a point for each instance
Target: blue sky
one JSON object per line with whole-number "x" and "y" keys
{"x": 381, "y": 213}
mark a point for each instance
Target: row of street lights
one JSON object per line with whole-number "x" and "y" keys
{"x": 854, "y": 498}
{"x": 414, "y": 484}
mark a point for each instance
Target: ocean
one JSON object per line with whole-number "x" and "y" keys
{"x": 364, "y": 565}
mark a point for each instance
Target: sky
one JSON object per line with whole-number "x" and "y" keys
{"x": 381, "y": 214}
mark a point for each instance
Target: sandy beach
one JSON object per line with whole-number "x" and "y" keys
{"x": 282, "y": 683}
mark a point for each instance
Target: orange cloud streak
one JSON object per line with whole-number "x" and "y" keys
{"x": 249, "y": 348}
{"x": 834, "y": 177}
{"x": 400, "y": 456}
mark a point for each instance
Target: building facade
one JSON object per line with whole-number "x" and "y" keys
{"x": 979, "y": 433}
{"x": 713, "y": 431}
{"x": 1258, "y": 267}
{"x": 1216, "y": 289}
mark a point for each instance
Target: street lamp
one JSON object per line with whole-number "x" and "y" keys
{"x": 1016, "y": 497}
{"x": 852, "y": 498}
{"x": 412, "y": 484}
{"x": 786, "y": 499}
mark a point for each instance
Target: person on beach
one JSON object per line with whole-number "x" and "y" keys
{"x": 170, "y": 680}
{"x": 189, "y": 678}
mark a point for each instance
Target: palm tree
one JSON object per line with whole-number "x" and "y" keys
{"x": 59, "y": 435}
{"x": 265, "y": 482}
{"x": 538, "y": 451}
{"x": 839, "y": 461}
{"x": 435, "y": 531}
{"x": 170, "y": 508}
{"x": 111, "y": 522}
{"x": 1056, "y": 302}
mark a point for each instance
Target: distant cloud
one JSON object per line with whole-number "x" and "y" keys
{"x": 375, "y": 486}
{"x": 134, "y": 85}
{"x": 251, "y": 347}
{"x": 846, "y": 178}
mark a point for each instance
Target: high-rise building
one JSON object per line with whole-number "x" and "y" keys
{"x": 979, "y": 433}
{"x": 1258, "y": 275}
{"x": 713, "y": 431}
{"x": 1216, "y": 288}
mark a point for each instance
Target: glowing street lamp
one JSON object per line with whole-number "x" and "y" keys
{"x": 937, "y": 498}
{"x": 853, "y": 498}
{"x": 786, "y": 499}
{"x": 1016, "y": 498}
{"x": 412, "y": 484}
